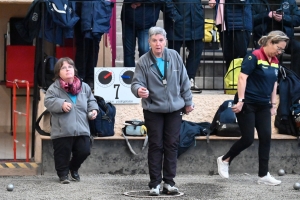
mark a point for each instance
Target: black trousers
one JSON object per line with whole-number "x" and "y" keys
{"x": 234, "y": 44}
{"x": 195, "y": 48}
{"x": 163, "y": 136}
{"x": 251, "y": 117}
{"x": 78, "y": 147}
{"x": 86, "y": 58}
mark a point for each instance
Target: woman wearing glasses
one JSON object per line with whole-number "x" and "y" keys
{"x": 69, "y": 100}
{"x": 255, "y": 103}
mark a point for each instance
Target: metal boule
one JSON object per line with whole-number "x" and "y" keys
{"x": 281, "y": 172}
{"x": 10, "y": 187}
{"x": 90, "y": 115}
{"x": 296, "y": 186}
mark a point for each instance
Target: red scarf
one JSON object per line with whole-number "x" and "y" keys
{"x": 73, "y": 88}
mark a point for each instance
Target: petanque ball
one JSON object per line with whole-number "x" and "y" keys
{"x": 297, "y": 186}
{"x": 10, "y": 187}
{"x": 281, "y": 172}
{"x": 90, "y": 115}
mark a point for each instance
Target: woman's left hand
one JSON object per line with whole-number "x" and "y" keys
{"x": 95, "y": 113}
{"x": 189, "y": 109}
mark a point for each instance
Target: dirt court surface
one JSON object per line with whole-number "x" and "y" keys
{"x": 113, "y": 187}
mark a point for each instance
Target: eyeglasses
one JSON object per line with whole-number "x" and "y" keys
{"x": 66, "y": 67}
{"x": 280, "y": 50}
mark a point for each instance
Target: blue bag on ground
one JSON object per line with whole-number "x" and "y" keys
{"x": 104, "y": 124}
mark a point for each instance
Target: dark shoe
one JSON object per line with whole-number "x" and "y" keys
{"x": 75, "y": 176}
{"x": 64, "y": 179}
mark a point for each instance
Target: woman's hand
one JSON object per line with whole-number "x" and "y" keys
{"x": 66, "y": 107}
{"x": 273, "y": 111}
{"x": 135, "y": 5}
{"x": 212, "y": 3}
{"x": 143, "y": 92}
{"x": 189, "y": 109}
{"x": 237, "y": 107}
{"x": 95, "y": 113}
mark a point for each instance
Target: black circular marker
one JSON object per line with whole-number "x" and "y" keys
{"x": 126, "y": 77}
{"x": 105, "y": 78}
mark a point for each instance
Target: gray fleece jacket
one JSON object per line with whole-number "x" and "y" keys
{"x": 163, "y": 99}
{"x": 75, "y": 122}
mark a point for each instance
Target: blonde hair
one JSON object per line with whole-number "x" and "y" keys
{"x": 274, "y": 37}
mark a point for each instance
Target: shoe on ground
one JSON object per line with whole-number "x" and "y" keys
{"x": 223, "y": 168}
{"x": 170, "y": 190}
{"x": 268, "y": 180}
{"x": 64, "y": 179}
{"x": 155, "y": 191}
{"x": 75, "y": 176}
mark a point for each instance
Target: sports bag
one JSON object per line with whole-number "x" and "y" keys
{"x": 104, "y": 123}
{"x": 231, "y": 77}
{"x": 135, "y": 128}
{"x": 224, "y": 122}
{"x": 45, "y": 72}
{"x": 211, "y": 34}
{"x": 188, "y": 132}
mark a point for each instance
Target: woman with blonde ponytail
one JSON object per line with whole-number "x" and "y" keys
{"x": 255, "y": 103}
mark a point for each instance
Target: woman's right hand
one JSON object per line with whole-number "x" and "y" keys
{"x": 143, "y": 92}
{"x": 237, "y": 107}
{"x": 66, "y": 107}
{"x": 212, "y": 3}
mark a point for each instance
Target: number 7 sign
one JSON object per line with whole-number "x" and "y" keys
{"x": 114, "y": 84}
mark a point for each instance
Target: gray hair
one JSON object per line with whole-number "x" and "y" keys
{"x": 157, "y": 30}
{"x": 274, "y": 37}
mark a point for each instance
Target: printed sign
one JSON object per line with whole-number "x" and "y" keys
{"x": 114, "y": 84}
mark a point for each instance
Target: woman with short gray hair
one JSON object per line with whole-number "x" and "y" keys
{"x": 161, "y": 80}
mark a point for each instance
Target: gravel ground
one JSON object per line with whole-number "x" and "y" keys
{"x": 113, "y": 187}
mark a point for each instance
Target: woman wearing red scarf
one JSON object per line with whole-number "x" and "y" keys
{"x": 69, "y": 100}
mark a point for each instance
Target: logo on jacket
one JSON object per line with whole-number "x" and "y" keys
{"x": 285, "y": 5}
{"x": 249, "y": 57}
{"x": 35, "y": 17}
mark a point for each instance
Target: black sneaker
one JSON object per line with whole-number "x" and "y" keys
{"x": 75, "y": 176}
{"x": 64, "y": 179}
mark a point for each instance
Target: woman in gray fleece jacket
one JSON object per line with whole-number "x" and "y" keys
{"x": 161, "y": 80}
{"x": 69, "y": 100}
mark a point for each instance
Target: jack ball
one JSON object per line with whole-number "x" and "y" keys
{"x": 10, "y": 187}
{"x": 296, "y": 186}
{"x": 281, "y": 172}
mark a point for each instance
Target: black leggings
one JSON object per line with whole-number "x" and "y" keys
{"x": 259, "y": 117}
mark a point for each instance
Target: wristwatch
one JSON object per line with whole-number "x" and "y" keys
{"x": 241, "y": 100}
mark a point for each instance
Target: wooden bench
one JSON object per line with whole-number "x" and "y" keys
{"x": 206, "y": 104}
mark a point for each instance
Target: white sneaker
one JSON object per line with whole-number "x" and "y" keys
{"x": 155, "y": 191}
{"x": 268, "y": 180}
{"x": 170, "y": 190}
{"x": 223, "y": 168}
{"x": 194, "y": 86}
